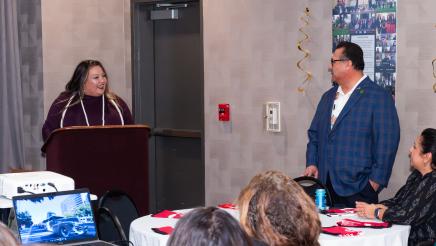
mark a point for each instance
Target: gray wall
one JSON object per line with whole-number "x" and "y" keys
{"x": 250, "y": 58}
{"x": 416, "y": 101}
{"x": 75, "y": 30}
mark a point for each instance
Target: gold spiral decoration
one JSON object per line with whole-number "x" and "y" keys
{"x": 434, "y": 74}
{"x": 305, "y": 18}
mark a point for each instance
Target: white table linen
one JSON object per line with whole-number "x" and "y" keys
{"x": 141, "y": 233}
{"x": 397, "y": 235}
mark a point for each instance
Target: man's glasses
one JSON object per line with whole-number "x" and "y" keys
{"x": 332, "y": 61}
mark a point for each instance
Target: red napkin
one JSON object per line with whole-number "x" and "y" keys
{"x": 356, "y": 223}
{"x": 227, "y": 205}
{"x": 340, "y": 210}
{"x": 165, "y": 230}
{"x": 340, "y": 231}
{"x": 168, "y": 214}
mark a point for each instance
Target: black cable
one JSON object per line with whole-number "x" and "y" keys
{"x": 21, "y": 190}
{"x": 52, "y": 185}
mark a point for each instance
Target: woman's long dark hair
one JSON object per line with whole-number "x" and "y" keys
{"x": 77, "y": 81}
{"x": 428, "y": 144}
{"x": 76, "y": 84}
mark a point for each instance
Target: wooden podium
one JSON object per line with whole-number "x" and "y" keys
{"x": 103, "y": 158}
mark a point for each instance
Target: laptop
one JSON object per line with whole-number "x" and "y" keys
{"x": 64, "y": 218}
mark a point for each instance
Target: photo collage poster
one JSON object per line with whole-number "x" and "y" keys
{"x": 372, "y": 25}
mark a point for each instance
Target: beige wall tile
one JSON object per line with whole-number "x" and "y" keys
{"x": 250, "y": 58}
{"x": 75, "y": 30}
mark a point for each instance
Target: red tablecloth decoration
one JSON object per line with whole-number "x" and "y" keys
{"x": 340, "y": 231}
{"x": 168, "y": 214}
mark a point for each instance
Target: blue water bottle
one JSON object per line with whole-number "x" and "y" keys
{"x": 320, "y": 199}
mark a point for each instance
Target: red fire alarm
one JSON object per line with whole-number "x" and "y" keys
{"x": 224, "y": 112}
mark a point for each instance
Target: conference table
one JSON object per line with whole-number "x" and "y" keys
{"x": 141, "y": 232}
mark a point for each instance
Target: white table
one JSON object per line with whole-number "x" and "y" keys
{"x": 141, "y": 233}
{"x": 397, "y": 235}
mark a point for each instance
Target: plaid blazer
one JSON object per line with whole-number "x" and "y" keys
{"x": 361, "y": 145}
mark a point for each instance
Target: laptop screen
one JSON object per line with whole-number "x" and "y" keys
{"x": 60, "y": 217}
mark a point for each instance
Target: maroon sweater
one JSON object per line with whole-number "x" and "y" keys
{"x": 75, "y": 116}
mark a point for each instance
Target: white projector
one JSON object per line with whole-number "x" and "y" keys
{"x": 17, "y": 184}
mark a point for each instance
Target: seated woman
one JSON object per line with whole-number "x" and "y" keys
{"x": 87, "y": 101}
{"x": 415, "y": 203}
{"x": 274, "y": 209}
{"x": 208, "y": 227}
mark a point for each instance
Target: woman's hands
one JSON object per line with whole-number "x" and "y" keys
{"x": 366, "y": 210}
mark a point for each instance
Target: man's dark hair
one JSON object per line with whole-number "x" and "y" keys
{"x": 353, "y": 52}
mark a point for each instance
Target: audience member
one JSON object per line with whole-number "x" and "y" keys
{"x": 276, "y": 210}
{"x": 87, "y": 100}
{"x": 7, "y": 238}
{"x": 415, "y": 203}
{"x": 208, "y": 227}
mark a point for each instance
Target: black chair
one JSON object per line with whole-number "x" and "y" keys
{"x": 310, "y": 184}
{"x": 122, "y": 207}
{"x": 109, "y": 228}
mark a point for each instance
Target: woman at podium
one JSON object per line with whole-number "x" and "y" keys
{"x": 87, "y": 101}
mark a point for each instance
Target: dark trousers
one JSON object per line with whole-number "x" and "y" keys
{"x": 368, "y": 194}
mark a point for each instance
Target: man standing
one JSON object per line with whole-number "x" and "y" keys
{"x": 354, "y": 135}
